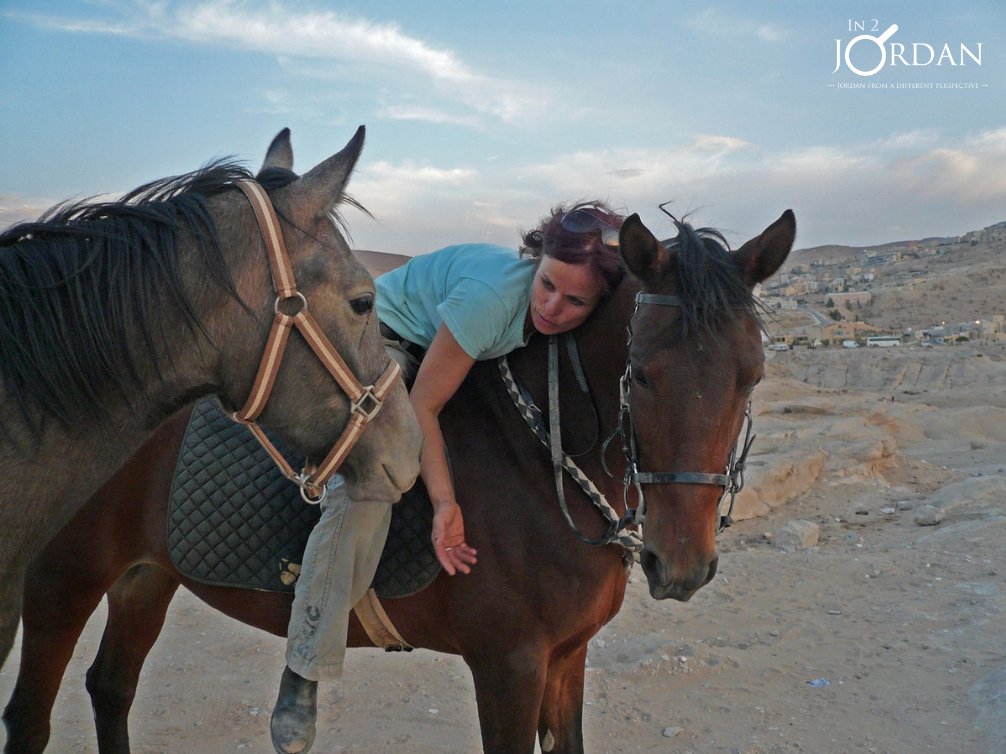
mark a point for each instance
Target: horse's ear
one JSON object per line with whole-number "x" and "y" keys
{"x": 320, "y": 189}
{"x": 644, "y": 255}
{"x": 280, "y": 153}
{"x": 761, "y": 257}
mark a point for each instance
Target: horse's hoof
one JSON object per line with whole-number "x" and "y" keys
{"x": 292, "y": 724}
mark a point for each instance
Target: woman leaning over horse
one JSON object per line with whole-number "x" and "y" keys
{"x": 440, "y": 313}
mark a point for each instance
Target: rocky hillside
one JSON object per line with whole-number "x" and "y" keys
{"x": 967, "y": 283}
{"x": 958, "y": 279}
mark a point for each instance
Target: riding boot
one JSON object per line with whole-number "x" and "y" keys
{"x": 293, "y": 718}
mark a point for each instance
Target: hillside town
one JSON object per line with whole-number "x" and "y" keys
{"x": 836, "y": 295}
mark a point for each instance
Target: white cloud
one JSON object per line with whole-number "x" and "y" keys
{"x": 16, "y": 209}
{"x": 275, "y": 29}
{"x": 994, "y": 139}
{"x": 858, "y": 194}
{"x": 409, "y": 173}
{"x": 394, "y": 191}
{"x": 974, "y": 171}
{"x": 76, "y": 25}
{"x": 908, "y": 140}
{"x": 716, "y": 143}
{"x": 820, "y": 162}
{"x": 639, "y": 171}
{"x": 713, "y": 21}
{"x": 425, "y": 114}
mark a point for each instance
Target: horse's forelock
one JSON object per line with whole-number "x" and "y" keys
{"x": 273, "y": 178}
{"x": 709, "y": 284}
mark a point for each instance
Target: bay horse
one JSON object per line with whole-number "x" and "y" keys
{"x": 523, "y": 618}
{"x": 114, "y": 315}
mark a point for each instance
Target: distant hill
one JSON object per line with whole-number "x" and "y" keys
{"x": 379, "y": 262}
{"x": 966, "y": 281}
{"x": 835, "y": 253}
{"x": 838, "y": 252}
{"x": 961, "y": 278}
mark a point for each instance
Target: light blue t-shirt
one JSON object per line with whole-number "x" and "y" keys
{"x": 480, "y": 291}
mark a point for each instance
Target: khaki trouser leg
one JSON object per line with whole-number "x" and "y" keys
{"x": 341, "y": 558}
{"x": 340, "y": 561}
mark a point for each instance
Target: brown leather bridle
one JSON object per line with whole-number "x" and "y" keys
{"x": 366, "y": 400}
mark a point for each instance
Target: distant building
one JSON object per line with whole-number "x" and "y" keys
{"x": 993, "y": 328}
{"x": 851, "y": 298}
{"x": 848, "y": 331}
{"x": 797, "y": 288}
{"x": 781, "y": 303}
{"x": 868, "y": 257}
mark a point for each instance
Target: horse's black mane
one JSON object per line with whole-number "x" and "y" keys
{"x": 710, "y": 285}
{"x": 79, "y": 285}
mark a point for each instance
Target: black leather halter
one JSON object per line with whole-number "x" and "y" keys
{"x": 732, "y": 481}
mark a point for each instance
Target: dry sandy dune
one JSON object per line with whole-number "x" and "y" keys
{"x": 884, "y": 636}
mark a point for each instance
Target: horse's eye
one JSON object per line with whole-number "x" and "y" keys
{"x": 363, "y": 304}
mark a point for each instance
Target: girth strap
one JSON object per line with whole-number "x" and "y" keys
{"x": 375, "y": 621}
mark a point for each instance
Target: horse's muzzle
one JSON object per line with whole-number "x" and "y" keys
{"x": 670, "y": 581}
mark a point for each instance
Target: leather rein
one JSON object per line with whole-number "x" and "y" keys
{"x": 732, "y": 481}
{"x": 291, "y": 311}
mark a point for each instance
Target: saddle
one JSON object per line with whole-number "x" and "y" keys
{"x": 234, "y": 520}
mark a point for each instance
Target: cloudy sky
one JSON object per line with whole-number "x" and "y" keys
{"x": 481, "y": 115}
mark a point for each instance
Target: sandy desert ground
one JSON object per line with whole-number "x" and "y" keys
{"x": 883, "y": 636}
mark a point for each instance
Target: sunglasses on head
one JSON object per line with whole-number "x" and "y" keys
{"x": 587, "y": 219}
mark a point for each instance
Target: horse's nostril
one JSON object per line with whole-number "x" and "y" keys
{"x": 648, "y": 561}
{"x": 712, "y": 569}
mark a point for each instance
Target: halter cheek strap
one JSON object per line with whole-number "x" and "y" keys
{"x": 732, "y": 481}
{"x": 291, "y": 311}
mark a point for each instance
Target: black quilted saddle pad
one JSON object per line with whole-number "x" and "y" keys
{"x": 235, "y": 520}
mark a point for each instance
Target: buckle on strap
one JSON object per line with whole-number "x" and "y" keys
{"x": 368, "y": 404}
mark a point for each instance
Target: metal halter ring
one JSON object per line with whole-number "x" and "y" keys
{"x": 301, "y": 481}
{"x": 296, "y": 294}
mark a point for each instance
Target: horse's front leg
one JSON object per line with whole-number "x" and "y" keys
{"x": 508, "y": 689}
{"x": 560, "y": 726}
{"x": 137, "y": 604}
{"x": 57, "y": 604}
{"x": 11, "y": 586}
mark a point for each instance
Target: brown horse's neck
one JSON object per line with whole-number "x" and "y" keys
{"x": 586, "y": 421}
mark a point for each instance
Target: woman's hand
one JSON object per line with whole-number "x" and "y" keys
{"x": 449, "y": 539}
{"x": 444, "y": 368}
